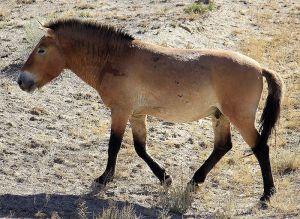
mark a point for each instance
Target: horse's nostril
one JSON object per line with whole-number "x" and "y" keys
{"x": 19, "y": 82}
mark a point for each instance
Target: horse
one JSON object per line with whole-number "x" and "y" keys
{"x": 135, "y": 79}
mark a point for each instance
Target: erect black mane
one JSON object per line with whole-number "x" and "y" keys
{"x": 89, "y": 26}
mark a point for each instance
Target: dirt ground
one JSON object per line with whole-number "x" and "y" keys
{"x": 53, "y": 143}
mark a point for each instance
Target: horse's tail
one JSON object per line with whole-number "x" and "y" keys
{"x": 271, "y": 110}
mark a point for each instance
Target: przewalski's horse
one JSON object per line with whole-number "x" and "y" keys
{"x": 136, "y": 79}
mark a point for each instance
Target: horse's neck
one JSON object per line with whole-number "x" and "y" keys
{"x": 85, "y": 66}
{"x": 91, "y": 67}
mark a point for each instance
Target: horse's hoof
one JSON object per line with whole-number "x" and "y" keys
{"x": 265, "y": 198}
{"x": 263, "y": 205}
{"x": 167, "y": 181}
{"x": 104, "y": 179}
{"x": 267, "y": 195}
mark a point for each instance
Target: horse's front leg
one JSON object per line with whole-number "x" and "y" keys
{"x": 119, "y": 120}
{"x": 138, "y": 126}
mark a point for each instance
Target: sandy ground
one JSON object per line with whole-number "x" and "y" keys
{"x": 53, "y": 143}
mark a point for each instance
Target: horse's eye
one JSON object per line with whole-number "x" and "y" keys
{"x": 41, "y": 51}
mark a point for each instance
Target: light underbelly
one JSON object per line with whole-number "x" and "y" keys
{"x": 187, "y": 113}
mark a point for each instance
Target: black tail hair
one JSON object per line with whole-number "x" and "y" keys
{"x": 271, "y": 110}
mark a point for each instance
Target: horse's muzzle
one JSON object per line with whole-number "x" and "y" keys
{"x": 26, "y": 82}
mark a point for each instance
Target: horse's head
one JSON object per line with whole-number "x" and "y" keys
{"x": 45, "y": 63}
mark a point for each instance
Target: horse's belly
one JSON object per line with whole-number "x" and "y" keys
{"x": 184, "y": 101}
{"x": 187, "y": 112}
{"x": 181, "y": 116}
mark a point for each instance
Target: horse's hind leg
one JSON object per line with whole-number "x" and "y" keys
{"x": 222, "y": 145}
{"x": 261, "y": 151}
{"x": 139, "y": 132}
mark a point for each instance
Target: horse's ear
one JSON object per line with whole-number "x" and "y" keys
{"x": 48, "y": 31}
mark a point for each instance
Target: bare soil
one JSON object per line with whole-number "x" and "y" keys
{"x": 53, "y": 143}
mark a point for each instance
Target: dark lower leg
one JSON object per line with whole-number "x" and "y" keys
{"x": 113, "y": 149}
{"x": 222, "y": 145}
{"x": 262, "y": 155}
{"x": 158, "y": 171}
{"x": 214, "y": 158}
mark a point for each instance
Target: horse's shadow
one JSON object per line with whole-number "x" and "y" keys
{"x": 65, "y": 206}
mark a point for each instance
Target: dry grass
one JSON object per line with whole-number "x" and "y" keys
{"x": 286, "y": 198}
{"x": 177, "y": 200}
{"x": 115, "y": 212}
{"x": 85, "y": 14}
{"x": 40, "y": 213}
{"x": 286, "y": 161}
{"x": 83, "y": 6}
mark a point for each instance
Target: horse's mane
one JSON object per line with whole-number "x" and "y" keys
{"x": 89, "y": 26}
{"x": 90, "y": 32}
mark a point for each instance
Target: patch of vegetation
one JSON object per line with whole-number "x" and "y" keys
{"x": 200, "y": 8}
{"x": 85, "y": 14}
{"x": 84, "y": 6}
{"x": 115, "y": 212}
{"x": 25, "y": 1}
{"x": 176, "y": 200}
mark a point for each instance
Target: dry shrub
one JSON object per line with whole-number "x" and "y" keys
{"x": 115, "y": 212}
{"x": 83, "y": 6}
{"x": 176, "y": 200}
{"x": 200, "y": 8}
{"x": 25, "y": 1}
